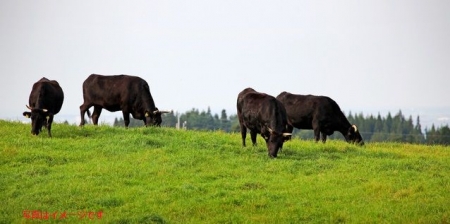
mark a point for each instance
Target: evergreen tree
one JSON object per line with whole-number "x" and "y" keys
{"x": 431, "y": 135}
{"x": 387, "y": 123}
{"x": 372, "y": 128}
{"x": 234, "y": 123}
{"x": 169, "y": 120}
{"x": 224, "y": 122}
{"x": 419, "y": 138}
{"x": 438, "y": 136}
{"x": 444, "y": 135}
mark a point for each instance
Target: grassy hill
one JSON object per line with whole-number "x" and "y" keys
{"x": 163, "y": 175}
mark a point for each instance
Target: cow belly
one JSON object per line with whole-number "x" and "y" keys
{"x": 113, "y": 108}
{"x": 302, "y": 124}
{"x": 253, "y": 127}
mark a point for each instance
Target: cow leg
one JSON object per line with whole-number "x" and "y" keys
{"x": 316, "y": 128}
{"x": 324, "y": 137}
{"x": 243, "y": 134}
{"x": 49, "y": 125}
{"x": 126, "y": 118}
{"x": 253, "y": 137}
{"x": 96, "y": 114}
{"x": 83, "y": 109}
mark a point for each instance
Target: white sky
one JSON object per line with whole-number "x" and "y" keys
{"x": 367, "y": 55}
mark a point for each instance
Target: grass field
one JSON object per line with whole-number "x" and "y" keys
{"x": 162, "y": 175}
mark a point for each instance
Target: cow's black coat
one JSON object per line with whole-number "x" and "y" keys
{"x": 46, "y": 99}
{"x": 262, "y": 113}
{"x": 319, "y": 113}
{"x": 129, "y": 94}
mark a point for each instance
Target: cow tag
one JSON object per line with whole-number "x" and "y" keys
{"x": 146, "y": 114}
{"x": 27, "y": 116}
{"x": 48, "y": 117}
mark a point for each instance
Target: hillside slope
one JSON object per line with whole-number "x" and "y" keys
{"x": 145, "y": 175}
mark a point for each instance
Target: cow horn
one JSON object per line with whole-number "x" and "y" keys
{"x": 165, "y": 111}
{"x": 45, "y": 110}
{"x": 156, "y": 111}
{"x": 355, "y": 128}
{"x": 287, "y": 134}
{"x": 29, "y": 107}
{"x": 270, "y": 130}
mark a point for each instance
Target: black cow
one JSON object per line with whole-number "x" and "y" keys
{"x": 320, "y": 113}
{"x": 46, "y": 99}
{"x": 130, "y": 94}
{"x": 262, "y": 113}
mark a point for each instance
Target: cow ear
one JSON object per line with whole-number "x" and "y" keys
{"x": 27, "y": 114}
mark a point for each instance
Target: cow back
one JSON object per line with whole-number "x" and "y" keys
{"x": 46, "y": 94}
{"x": 303, "y": 109}
{"x": 258, "y": 110}
{"x": 117, "y": 92}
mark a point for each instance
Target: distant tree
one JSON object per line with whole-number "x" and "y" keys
{"x": 133, "y": 122}
{"x": 387, "y": 123}
{"x": 234, "y": 123}
{"x": 378, "y": 134}
{"x": 444, "y": 135}
{"x": 431, "y": 135}
{"x": 116, "y": 122}
{"x": 438, "y": 135}
{"x": 372, "y": 128}
{"x": 419, "y": 137}
{"x": 378, "y": 124}
{"x": 224, "y": 122}
{"x": 169, "y": 120}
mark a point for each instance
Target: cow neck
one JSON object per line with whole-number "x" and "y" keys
{"x": 148, "y": 103}
{"x": 344, "y": 128}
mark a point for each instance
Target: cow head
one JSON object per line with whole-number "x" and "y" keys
{"x": 39, "y": 118}
{"x": 353, "y": 136}
{"x": 274, "y": 141}
{"x": 154, "y": 117}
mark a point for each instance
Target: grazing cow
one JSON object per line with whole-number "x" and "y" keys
{"x": 262, "y": 113}
{"x": 130, "y": 94}
{"x": 46, "y": 99}
{"x": 320, "y": 113}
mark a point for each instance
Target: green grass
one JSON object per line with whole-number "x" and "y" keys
{"x": 163, "y": 175}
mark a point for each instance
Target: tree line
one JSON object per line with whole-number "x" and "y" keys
{"x": 392, "y": 128}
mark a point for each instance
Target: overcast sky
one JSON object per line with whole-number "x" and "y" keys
{"x": 366, "y": 55}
